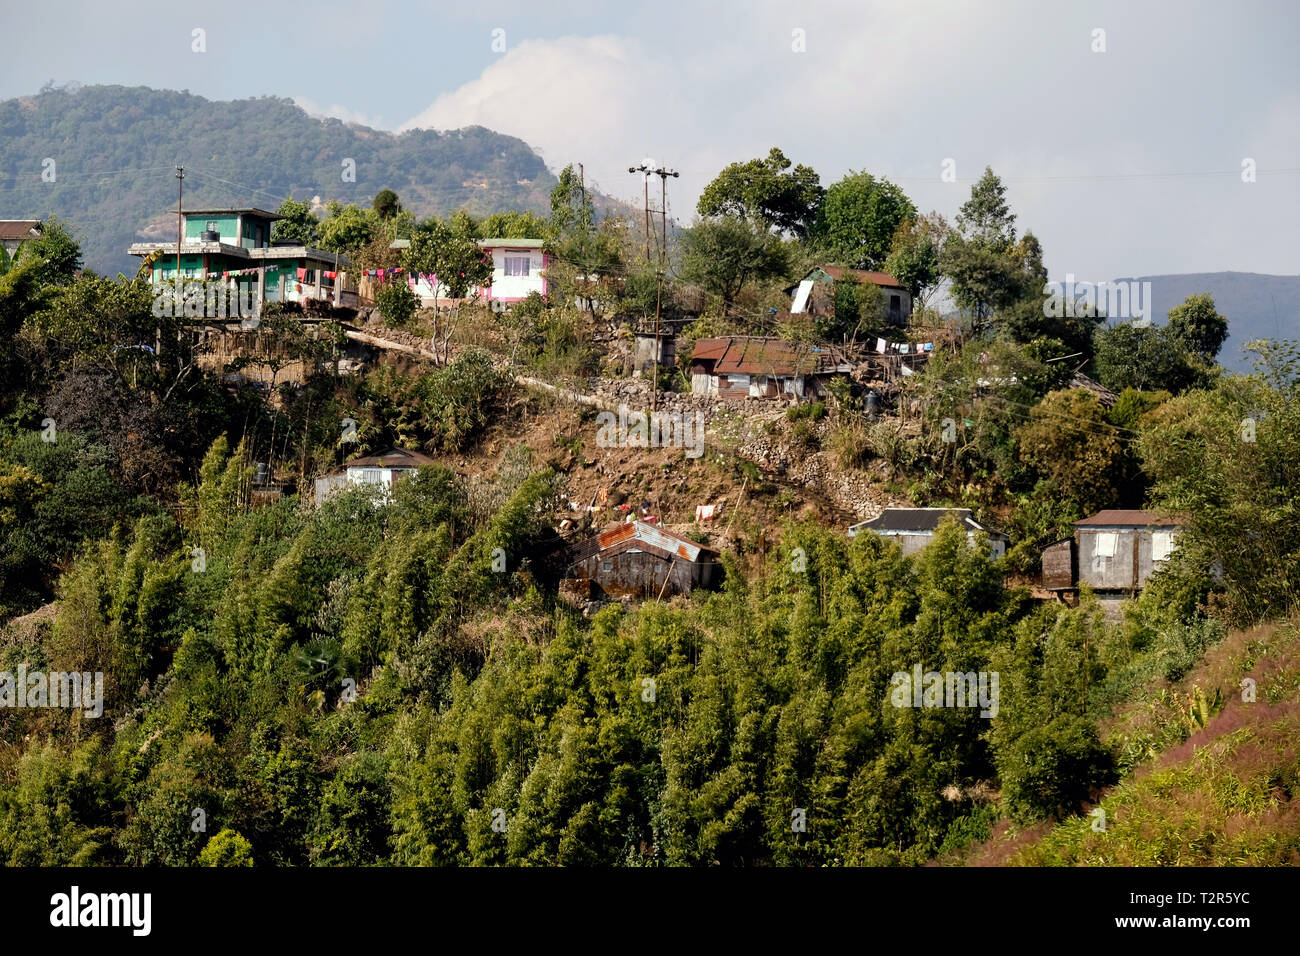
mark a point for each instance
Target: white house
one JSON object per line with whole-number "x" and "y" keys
{"x": 380, "y": 471}
{"x": 518, "y": 268}
{"x": 814, "y": 293}
{"x": 912, "y": 528}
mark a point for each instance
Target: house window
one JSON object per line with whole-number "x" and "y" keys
{"x": 1106, "y": 543}
{"x": 372, "y": 476}
{"x": 607, "y": 566}
{"x": 516, "y": 265}
{"x": 1162, "y": 545}
{"x": 895, "y": 303}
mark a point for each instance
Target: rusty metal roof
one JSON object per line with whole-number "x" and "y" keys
{"x": 18, "y": 228}
{"x": 753, "y": 355}
{"x": 1127, "y": 518}
{"x": 862, "y": 275}
{"x": 711, "y": 349}
{"x": 639, "y": 534}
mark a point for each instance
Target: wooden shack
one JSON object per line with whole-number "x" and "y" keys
{"x": 1059, "y": 572}
{"x": 640, "y": 559}
{"x": 1113, "y": 552}
{"x": 739, "y": 367}
{"x": 1119, "y": 550}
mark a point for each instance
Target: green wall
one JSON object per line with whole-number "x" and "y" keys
{"x": 228, "y": 226}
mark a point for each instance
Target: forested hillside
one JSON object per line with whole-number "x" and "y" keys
{"x": 396, "y": 676}
{"x": 114, "y": 149}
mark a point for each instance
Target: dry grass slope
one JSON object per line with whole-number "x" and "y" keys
{"x": 1227, "y": 795}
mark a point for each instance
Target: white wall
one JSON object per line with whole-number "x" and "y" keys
{"x": 510, "y": 288}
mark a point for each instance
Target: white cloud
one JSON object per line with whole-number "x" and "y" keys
{"x": 594, "y": 100}
{"x": 897, "y": 86}
{"x": 344, "y": 113}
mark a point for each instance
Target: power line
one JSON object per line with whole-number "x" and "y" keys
{"x": 1104, "y": 177}
{"x": 99, "y": 174}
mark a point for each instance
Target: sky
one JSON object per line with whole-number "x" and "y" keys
{"x": 1119, "y": 128}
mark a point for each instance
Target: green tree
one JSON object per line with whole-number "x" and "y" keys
{"x": 386, "y": 204}
{"x": 915, "y": 252}
{"x": 396, "y": 302}
{"x": 858, "y": 218}
{"x": 991, "y": 272}
{"x": 56, "y": 249}
{"x": 1227, "y": 460}
{"x": 1070, "y": 443}
{"x": 346, "y": 229}
{"x": 765, "y": 191}
{"x": 1146, "y": 358}
{"x": 722, "y": 254}
{"x": 352, "y": 825}
{"x": 859, "y": 310}
{"x": 1198, "y": 328}
{"x": 298, "y": 224}
{"x": 571, "y": 209}
{"x": 587, "y": 265}
{"x": 985, "y": 220}
{"x": 454, "y": 256}
{"x": 514, "y": 225}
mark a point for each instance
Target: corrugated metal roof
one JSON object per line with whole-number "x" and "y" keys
{"x": 1104, "y": 395}
{"x": 511, "y": 243}
{"x": 920, "y": 519}
{"x": 862, "y": 275}
{"x": 392, "y": 458}
{"x": 1127, "y": 518}
{"x": 17, "y": 228}
{"x": 912, "y": 519}
{"x": 753, "y": 355}
{"x": 711, "y": 349}
{"x": 233, "y": 211}
{"x": 634, "y": 533}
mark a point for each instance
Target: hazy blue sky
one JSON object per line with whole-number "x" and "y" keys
{"x": 1123, "y": 162}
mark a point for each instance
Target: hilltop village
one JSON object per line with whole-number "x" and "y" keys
{"x": 818, "y": 530}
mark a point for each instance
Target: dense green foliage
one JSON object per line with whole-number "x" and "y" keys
{"x": 767, "y": 192}
{"x": 382, "y": 679}
{"x": 858, "y": 218}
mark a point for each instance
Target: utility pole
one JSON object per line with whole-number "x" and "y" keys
{"x": 663, "y": 173}
{"x": 654, "y": 382}
{"x": 180, "y": 185}
{"x": 645, "y": 169}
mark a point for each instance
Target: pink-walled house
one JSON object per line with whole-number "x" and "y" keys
{"x": 518, "y": 268}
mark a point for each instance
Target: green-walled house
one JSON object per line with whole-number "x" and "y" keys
{"x": 234, "y": 246}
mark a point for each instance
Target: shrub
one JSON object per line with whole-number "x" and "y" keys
{"x": 396, "y": 303}
{"x": 227, "y": 848}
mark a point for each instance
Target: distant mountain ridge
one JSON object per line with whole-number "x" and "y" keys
{"x": 110, "y": 151}
{"x": 1257, "y": 306}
